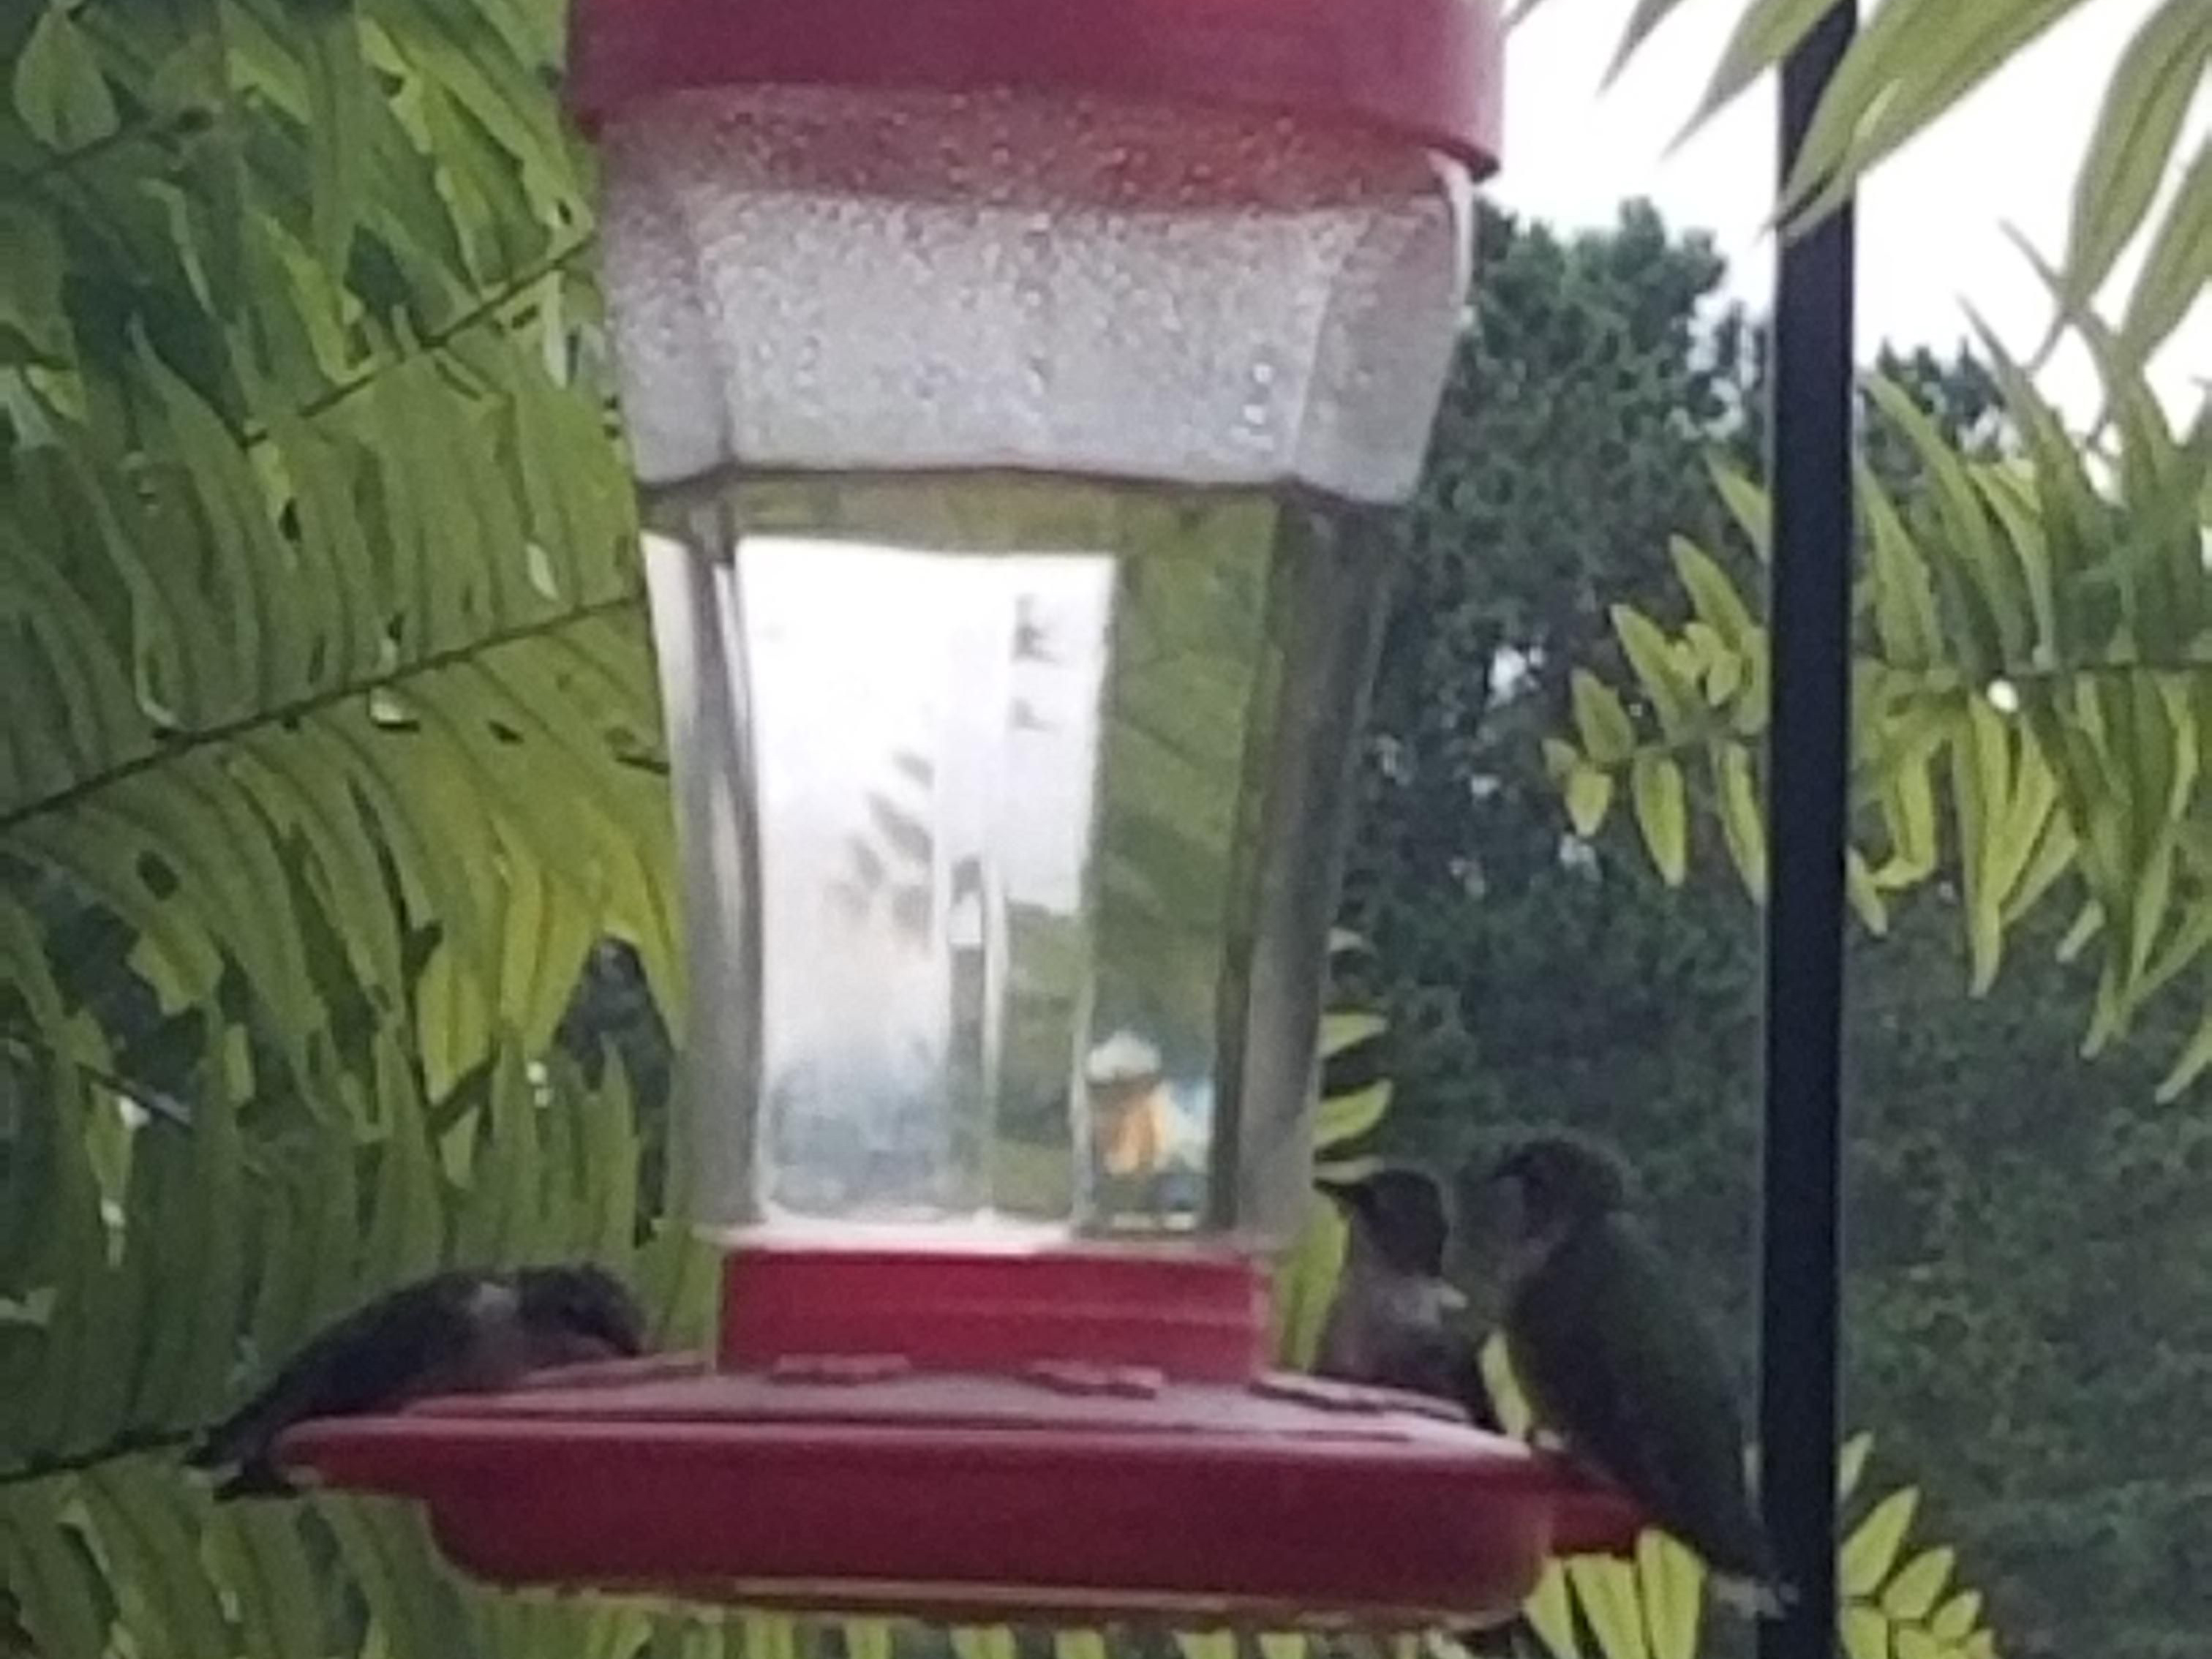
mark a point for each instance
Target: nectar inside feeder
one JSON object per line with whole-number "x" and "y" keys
{"x": 1018, "y": 392}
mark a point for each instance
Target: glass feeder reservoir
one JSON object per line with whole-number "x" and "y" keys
{"x": 1018, "y": 392}
{"x": 1010, "y": 461}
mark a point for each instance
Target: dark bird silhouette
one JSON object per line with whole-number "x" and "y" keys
{"x": 1614, "y": 1358}
{"x": 1390, "y": 1322}
{"x": 461, "y": 1332}
{"x": 1393, "y": 1320}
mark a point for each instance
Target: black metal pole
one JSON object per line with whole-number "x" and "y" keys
{"x": 1809, "y": 747}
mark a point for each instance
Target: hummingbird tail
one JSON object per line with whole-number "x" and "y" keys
{"x": 215, "y": 1447}
{"x": 234, "y": 1440}
{"x": 1754, "y": 1598}
{"x": 242, "y": 1439}
{"x": 257, "y": 1478}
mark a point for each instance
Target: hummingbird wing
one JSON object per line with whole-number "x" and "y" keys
{"x": 377, "y": 1355}
{"x": 1616, "y": 1359}
{"x": 1390, "y": 1329}
{"x": 1443, "y": 1363}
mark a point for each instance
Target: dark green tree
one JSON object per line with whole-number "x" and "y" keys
{"x": 2023, "y": 1329}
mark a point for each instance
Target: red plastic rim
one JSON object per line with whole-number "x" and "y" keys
{"x": 1075, "y": 1434}
{"x": 1059, "y": 1494}
{"x": 1427, "y": 71}
{"x": 1194, "y": 1314}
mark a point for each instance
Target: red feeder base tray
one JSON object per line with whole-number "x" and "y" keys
{"x": 1034, "y": 1488}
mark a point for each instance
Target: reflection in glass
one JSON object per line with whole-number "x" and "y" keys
{"x": 1025, "y": 851}
{"x": 925, "y": 735}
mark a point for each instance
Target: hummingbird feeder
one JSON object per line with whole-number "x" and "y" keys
{"x": 1019, "y": 390}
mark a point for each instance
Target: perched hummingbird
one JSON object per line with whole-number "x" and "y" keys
{"x": 1390, "y": 1322}
{"x": 462, "y": 1332}
{"x": 1615, "y": 1359}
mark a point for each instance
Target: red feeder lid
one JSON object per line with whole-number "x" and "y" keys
{"x": 1073, "y": 1486}
{"x": 1428, "y": 71}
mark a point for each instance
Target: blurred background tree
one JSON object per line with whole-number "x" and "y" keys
{"x": 2027, "y": 1224}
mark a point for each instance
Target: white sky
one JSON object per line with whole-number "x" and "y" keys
{"x": 1930, "y": 222}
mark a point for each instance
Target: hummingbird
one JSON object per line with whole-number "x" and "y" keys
{"x": 1390, "y": 1322}
{"x": 1617, "y": 1364}
{"x": 464, "y": 1331}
